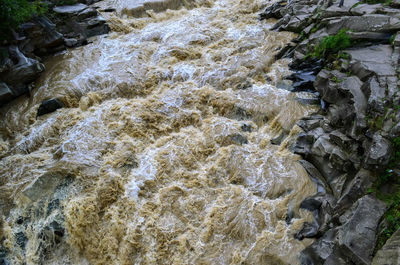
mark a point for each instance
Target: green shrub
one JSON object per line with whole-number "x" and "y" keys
{"x": 15, "y": 12}
{"x": 332, "y": 44}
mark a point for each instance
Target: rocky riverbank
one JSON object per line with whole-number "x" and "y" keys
{"x": 21, "y": 59}
{"x": 349, "y": 56}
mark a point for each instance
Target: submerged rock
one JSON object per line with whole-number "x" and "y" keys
{"x": 49, "y": 106}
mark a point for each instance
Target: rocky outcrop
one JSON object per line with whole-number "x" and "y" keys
{"x": 79, "y": 22}
{"x": 349, "y": 141}
{"x": 21, "y": 59}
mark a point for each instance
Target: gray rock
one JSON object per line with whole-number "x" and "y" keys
{"x": 278, "y": 140}
{"x": 315, "y": 176}
{"x": 24, "y": 72}
{"x": 5, "y": 93}
{"x": 273, "y": 11}
{"x": 369, "y": 36}
{"x": 373, "y": 59}
{"x": 396, "y": 41}
{"x": 322, "y": 146}
{"x": 364, "y": 9}
{"x": 341, "y": 140}
{"x": 357, "y": 236}
{"x": 358, "y": 186}
{"x": 70, "y": 42}
{"x": 70, "y": 9}
{"x": 310, "y": 123}
{"x": 378, "y": 151}
{"x": 337, "y": 185}
{"x": 377, "y": 94}
{"x": 320, "y": 250}
{"x": 371, "y": 23}
{"x": 390, "y": 252}
{"x": 327, "y": 88}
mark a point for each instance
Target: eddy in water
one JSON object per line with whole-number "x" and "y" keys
{"x": 162, "y": 154}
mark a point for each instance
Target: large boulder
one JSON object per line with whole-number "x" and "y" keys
{"x": 41, "y": 36}
{"x": 24, "y": 71}
{"x": 353, "y": 241}
{"x": 357, "y": 235}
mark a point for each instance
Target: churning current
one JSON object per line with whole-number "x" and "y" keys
{"x": 162, "y": 153}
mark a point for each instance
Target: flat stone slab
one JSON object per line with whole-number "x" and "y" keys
{"x": 72, "y": 9}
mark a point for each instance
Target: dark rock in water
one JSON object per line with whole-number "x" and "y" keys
{"x": 278, "y": 140}
{"x": 304, "y": 75}
{"x": 309, "y": 101}
{"x": 108, "y": 10}
{"x": 24, "y": 71}
{"x": 49, "y": 106}
{"x": 5, "y": 93}
{"x": 273, "y": 11}
{"x": 246, "y": 128}
{"x": 309, "y": 230}
{"x": 239, "y": 139}
{"x": 310, "y": 123}
{"x": 69, "y": 9}
{"x": 320, "y": 250}
{"x": 21, "y": 239}
{"x": 289, "y": 215}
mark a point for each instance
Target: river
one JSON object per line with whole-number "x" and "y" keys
{"x": 162, "y": 153}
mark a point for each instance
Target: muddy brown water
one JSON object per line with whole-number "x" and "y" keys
{"x": 166, "y": 136}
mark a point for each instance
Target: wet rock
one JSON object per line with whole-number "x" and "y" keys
{"x": 309, "y": 101}
{"x": 278, "y": 140}
{"x": 357, "y": 235}
{"x": 317, "y": 178}
{"x": 273, "y": 11}
{"x": 246, "y": 127}
{"x": 49, "y": 106}
{"x": 21, "y": 239}
{"x": 320, "y": 250}
{"x": 70, "y": 9}
{"x": 5, "y": 93}
{"x": 390, "y": 252}
{"x": 42, "y": 186}
{"x": 304, "y": 76}
{"x": 310, "y": 123}
{"x": 24, "y": 71}
{"x": 309, "y": 230}
{"x": 378, "y": 151}
{"x": 71, "y": 42}
{"x": 80, "y": 22}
